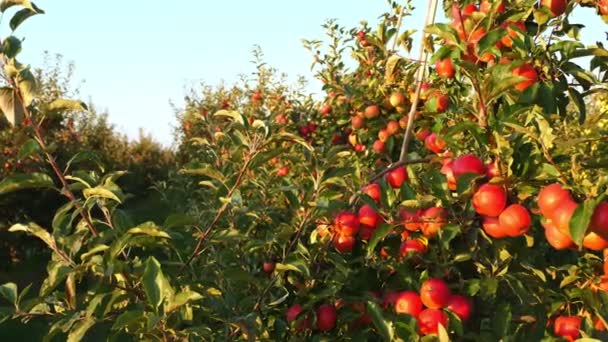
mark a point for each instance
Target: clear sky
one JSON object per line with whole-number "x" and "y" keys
{"x": 135, "y": 55}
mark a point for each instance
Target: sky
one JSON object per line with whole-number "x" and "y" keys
{"x": 137, "y": 56}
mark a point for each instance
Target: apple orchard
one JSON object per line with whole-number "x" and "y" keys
{"x": 455, "y": 196}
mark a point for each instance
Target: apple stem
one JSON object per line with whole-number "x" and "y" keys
{"x": 423, "y": 57}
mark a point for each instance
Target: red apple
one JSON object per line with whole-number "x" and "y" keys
{"x": 412, "y": 246}
{"x": 567, "y": 327}
{"x": 411, "y": 219}
{"x": 468, "y": 163}
{"x": 346, "y": 223}
{"x": 357, "y": 122}
{"x": 383, "y": 135}
{"x": 373, "y": 190}
{"x": 556, "y": 7}
{"x": 282, "y": 172}
{"x": 492, "y": 170}
{"x": 392, "y": 127}
{"x": 594, "y": 242}
{"x": 344, "y": 243}
{"x": 461, "y": 306}
{"x": 366, "y": 232}
{"x": 408, "y": 302}
{"x": 433, "y": 219}
{"x": 434, "y": 144}
{"x": 369, "y": 216}
{"x": 562, "y": 214}
{"x": 515, "y": 220}
{"x": 292, "y": 314}
{"x": 397, "y": 99}
{"x": 371, "y": 112}
{"x": 446, "y": 169}
{"x": 423, "y": 134}
{"x": 555, "y": 238}
{"x": 435, "y": 293}
{"x": 326, "y": 317}
{"x": 429, "y": 320}
{"x": 268, "y": 266}
{"x": 550, "y": 197}
{"x": 599, "y": 220}
{"x": 492, "y": 227}
{"x": 325, "y": 110}
{"x": 378, "y": 146}
{"x": 440, "y": 100}
{"x": 444, "y": 67}
{"x": 490, "y": 200}
{"x": 396, "y": 177}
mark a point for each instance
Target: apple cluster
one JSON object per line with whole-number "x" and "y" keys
{"x": 428, "y": 305}
{"x": 557, "y": 207}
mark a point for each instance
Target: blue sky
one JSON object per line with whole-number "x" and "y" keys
{"x": 135, "y": 56}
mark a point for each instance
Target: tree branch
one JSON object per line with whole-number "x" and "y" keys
{"x": 423, "y": 56}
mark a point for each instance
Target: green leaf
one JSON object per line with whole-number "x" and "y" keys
{"x": 85, "y": 156}
{"x": 94, "y": 304}
{"x": 80, "y": 329}
{"x": 11, "y": 106}
{"x": 578, "y": 100}
{"x": 93, "y": 251}
{"x": 490, "y": 39}
{"x": 11, "y": 46}
{"x": 379, "y": 234}
{"x": 292, "y": 137}
{"x": 262, "y": 158}
{"x": 579, "y": 222}
{"x": 57, "y": 273}
{"x": 9, "y": 292}
{"x": 27, "y": 85}
{"x": 444, "y": 31}
{"x": 546, "y": 131}
{"x": 296, "y": 265}
{"x": 447, "y": 234}
{"x": 6, "y": 4}
{"x": 22, "y": 15}
{"x": 100, "y": 192}
{"x": 28, "y": 148}
{"x": 234, "y": 115}
{"x": 64, "y": 105}
{"x": 127, "y": 318}
{"x": 183, "y": 298}
{"x": 335, "y": 172}
{"x": 392, "y": 67}
{"x": 502, "y": 320}
{"x": 465, "y": 183}
{"x": 179, "y": 220}
{"x": 385, "y": 328}
{"x": 36, "y": 231}
{"x": 154, "y": 282}
{"x": 206, "y": 171}
{"x": 62, "y": 221}
{"x": 150, "y": 229}
{"x": 442, "y": 333}
{"x": 21, "y": 181}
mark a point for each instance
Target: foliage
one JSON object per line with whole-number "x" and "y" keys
{"x": 271, "y": 226}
